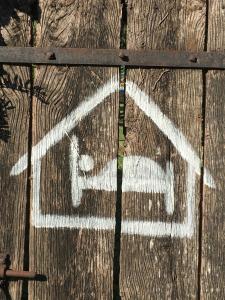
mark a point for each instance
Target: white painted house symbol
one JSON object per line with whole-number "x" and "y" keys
{"x": 140, "y": 174}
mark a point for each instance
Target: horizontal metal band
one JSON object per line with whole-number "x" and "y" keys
{"x": 112, "y": 57}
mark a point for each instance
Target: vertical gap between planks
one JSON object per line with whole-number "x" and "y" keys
{"x": 204, "y": 91}
{"x": 26, "y": 260}
{"x": 121, "y": 141}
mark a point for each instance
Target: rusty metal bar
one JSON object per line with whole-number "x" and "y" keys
{"x": 7, "y": 274}
{"x": 19, "y": 274}
{"x": 112, "y": 57}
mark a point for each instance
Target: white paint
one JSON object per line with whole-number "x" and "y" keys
{"x": 146, "y": 104}
{"x": 169, "y": 194}
{"x": 151, "y": 244}
{"x": 58, "y": 221}
{"x": 106, "y": 180}
{"x": 173, "y": 229}
{"x": 74, "y": 171}
{"x": 140, "y": 174}
{"x": 149, "y": 204}
{"x": 86, "y": 163}
{"x": 143, "y": 175}
{"x": 66, "y": 125}
{"x": 143, "y": 101}
{"x": 139, "y": 227}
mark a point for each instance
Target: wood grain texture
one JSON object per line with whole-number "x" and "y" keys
{"x": 213, "y": 241}
{"x": 77, "y": 262}
{"x": 14, "y": 121}
{"x": 163, "y": 267}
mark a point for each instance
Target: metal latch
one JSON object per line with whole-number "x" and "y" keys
{"x": 7, "y": 274}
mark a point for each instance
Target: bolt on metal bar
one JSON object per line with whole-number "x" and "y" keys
{"x": 112, "y": 57}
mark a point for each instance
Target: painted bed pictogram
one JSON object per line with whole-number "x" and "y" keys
{"x": 140, "y": 174}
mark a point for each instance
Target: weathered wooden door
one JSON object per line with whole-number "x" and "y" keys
{"x": 112, "y": 179}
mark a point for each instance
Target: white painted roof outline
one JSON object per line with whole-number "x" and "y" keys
{"x": 158, "y": 180}
{"x": 143, "y": 101}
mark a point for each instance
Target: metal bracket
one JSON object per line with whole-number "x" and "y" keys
{"x": 112, "y": 57}
{"x": 7, "y": 274}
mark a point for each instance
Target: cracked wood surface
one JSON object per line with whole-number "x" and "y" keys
{"x": 163, "y": 267}
{"x": 77, "y": 262}
{"x": 14, "y": 128}
{"x": 213, "y": 229}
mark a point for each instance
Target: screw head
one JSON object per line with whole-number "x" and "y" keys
{"x": 193, "y": 59}
{"x": 51, "y": 55}
{"x": 123, "y": 56}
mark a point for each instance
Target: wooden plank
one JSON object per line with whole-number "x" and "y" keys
{"x": 163, "y": 264}
{"x": 213, "y": 241}
{"x": 14, "y": 125}
{"x": 78, "y": 262}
